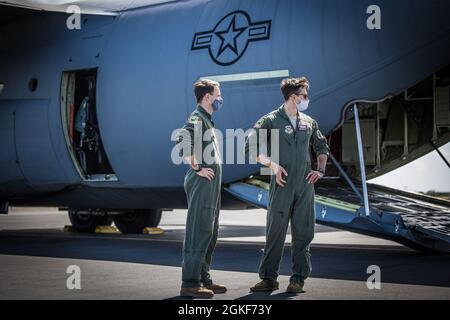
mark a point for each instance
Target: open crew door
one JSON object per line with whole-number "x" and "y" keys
{"x": 81, "y": 130}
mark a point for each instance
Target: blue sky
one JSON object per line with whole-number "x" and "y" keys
{"x": 424, "y": 174}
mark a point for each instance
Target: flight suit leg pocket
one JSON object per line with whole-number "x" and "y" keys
{"x": 273, "y": 208}
{"x": 275, "y": 218}
{"x": 207, "y": 218}
{"x": 275, "y": 235}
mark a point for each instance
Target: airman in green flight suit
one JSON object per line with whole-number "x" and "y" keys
{"x": 291, "y": 194}
{"x": 199, "y": 147}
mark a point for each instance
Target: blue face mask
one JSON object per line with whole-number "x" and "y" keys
{"x": 217, "y": 104}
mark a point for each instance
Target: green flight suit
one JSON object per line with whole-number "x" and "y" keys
{"x": 203, "y": 198}
{"x": 295, "y": 201}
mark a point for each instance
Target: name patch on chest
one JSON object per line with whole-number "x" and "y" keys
{"x": 303, "y": 126}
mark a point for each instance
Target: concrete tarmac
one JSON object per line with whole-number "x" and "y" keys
{"x": 35, "y": 254}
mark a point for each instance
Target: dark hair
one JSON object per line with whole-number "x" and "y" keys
{"x": 292, "y": 86}
{"x": 204, "y": 86}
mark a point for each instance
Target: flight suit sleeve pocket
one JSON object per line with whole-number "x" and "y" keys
{"x": 320, "y": 143}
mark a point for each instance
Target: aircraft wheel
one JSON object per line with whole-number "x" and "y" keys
{"x": 137, "y": 220}
{"x": 85, "y": 222}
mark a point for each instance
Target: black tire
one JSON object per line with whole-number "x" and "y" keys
{"x": 83, "y": 222}
{"x": 135, "y": 221}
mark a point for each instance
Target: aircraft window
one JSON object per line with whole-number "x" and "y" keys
{"x": 2, "y": 86}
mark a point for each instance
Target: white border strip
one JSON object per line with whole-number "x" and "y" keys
{"x": 249, "y": 76}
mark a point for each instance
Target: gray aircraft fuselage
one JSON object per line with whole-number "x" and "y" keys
{"x": 146, "y": 61}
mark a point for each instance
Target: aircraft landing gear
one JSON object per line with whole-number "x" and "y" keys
{"x": 86, "y": 221}
{"x": 132, "y": 221}
{"x": 135, "y": 221}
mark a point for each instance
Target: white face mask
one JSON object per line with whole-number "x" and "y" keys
{"x": 303, "y": 105}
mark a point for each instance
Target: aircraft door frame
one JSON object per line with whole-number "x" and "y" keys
{"x": 80, "y": 127}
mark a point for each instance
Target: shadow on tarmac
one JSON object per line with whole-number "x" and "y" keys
{"x": 343, "y": 262}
